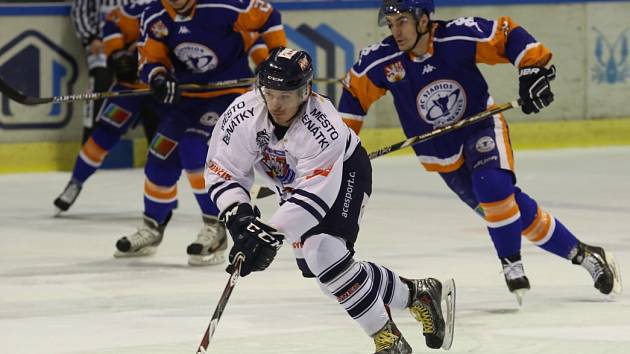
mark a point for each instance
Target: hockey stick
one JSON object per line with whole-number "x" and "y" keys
{"x": 218, "y": 311}
{"x": 20, "y": 97}
{"x": 445, "y": 129}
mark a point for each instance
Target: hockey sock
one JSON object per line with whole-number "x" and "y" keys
{"x": 494, "y": 189}
{"x": 362, "y": 288}
{"x": 543, "y": 229}
{"x": 93, "y": 153}
{"x": 201, "y": 193}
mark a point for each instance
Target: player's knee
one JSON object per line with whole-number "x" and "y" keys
{"x": 326, "y": 256}
{"x": 528, "y": 207}
{"x": 492, "y": 184}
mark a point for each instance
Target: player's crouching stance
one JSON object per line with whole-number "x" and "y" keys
{"x": 298, "y": 143}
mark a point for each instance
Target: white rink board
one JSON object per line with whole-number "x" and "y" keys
{"x": 63, "y": 292}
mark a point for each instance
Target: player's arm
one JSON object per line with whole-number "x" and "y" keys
{"x": 262, "y": 17}
{"x": 152, "y": 49}
{"x": 509, "y": 42}
{"x": 360, "y": 90}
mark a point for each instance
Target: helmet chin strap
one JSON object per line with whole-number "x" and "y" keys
{"x": 418, "y": 36}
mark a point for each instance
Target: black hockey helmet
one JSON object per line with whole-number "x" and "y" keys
{"x": 285, "y": 69}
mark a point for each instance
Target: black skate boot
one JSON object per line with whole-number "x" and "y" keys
{"x": 65, "y": 200}
{"x": 211, "y": 244}
{"x": 602, "y": 267}
{"x": 143, "y": 242}
{"x": 515, "y": 277}
{"x": 389, "y": 340}
{"x": 425, "y": 297}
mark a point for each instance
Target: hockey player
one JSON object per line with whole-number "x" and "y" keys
{"x": 297, "y": 142}
{"x": 120, "y": 34}
{"x": 430, "y": 67}
{"x": 192, "y": 42}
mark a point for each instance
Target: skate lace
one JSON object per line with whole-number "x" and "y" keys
{"x": 422, "y": 314}
{"x": 144, "y": 236}
{"x": 70, "y": 192}
{"x": 384, "y": 340}
{"x": 208, "y": 235}
{"x": 594, "y": 264}
{"x": 513, "y": 270}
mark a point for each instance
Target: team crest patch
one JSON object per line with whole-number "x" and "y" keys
{"x": 115, "y": 115}
{"x": 197, "y": 57}
{"x": 395, "y": 72}
{"x": 162, "y": 147}
{"x": 277, "y": 167}
{"x": 485, "y": 144}
{"x": 159, "y": 29}
{"x": 441, "y": 103}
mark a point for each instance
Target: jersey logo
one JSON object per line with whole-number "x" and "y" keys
{"x": 464, "y": 21}
{"x": 209, "y": 119}
{"x": 277, "y": 166}
{"x": 441, "y": 102}
{"x": 395, "y": 72}
{"x": 427, "y": 69}
{"x": 159, "y": 29}
{"x": 198, "y": 58}
{"x": 183, "y": 30}
{"x": 262, "y": 139}
{"x": 115, "y": 115}
{"x": 320, "y": 172}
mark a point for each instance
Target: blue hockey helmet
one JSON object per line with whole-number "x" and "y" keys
{"x": 415, "y": 7}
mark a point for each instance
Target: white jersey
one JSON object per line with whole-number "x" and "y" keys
{"x": 304, "y": 166}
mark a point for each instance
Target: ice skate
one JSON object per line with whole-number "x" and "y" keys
{"x": 211, "y": 244}
{"x": 143, "y": 242}
{"x": 389, "y": 340}
{"x": 515, "y": 277}
{"x": 602, "y": 267}
{"x": 425, "y": 305}
{"x": 65, "y": 200}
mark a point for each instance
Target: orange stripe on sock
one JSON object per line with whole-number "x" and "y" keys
{"x": 196, "y": 180}
{"x": 537, "y": 230}
{"x": 500, "y": 210}
{"x": 159, "y": 192}
{"x": 93, "y": 151}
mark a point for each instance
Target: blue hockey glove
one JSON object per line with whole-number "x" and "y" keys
{"x": 534, "y": 89}
{"x": 256, "y": 241}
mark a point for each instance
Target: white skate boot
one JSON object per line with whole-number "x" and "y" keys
{"x": 211, "y": 244}
{"x": 143, "y": 242}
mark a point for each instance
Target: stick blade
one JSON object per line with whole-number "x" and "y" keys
{"x": 448, "y": 296}
{"x": 19, "y": 97}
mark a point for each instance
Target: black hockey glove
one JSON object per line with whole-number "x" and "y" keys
{"x": 534, "y": 89}
{"x": 165, "y": 88}
{"x": 256, "y": 241}
{"x": 124, "y": 65}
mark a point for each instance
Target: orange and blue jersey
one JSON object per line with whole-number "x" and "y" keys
{"x": 443, "y": 86}
{"x": 210, "y": 45}
{"x": 122, "y": 26}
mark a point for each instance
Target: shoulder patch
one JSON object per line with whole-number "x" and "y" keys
{"x": 375, "y": 54}
{"x": 465, "y": 28}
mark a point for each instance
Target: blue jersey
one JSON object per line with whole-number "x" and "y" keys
{"x": 208, "y": 46}
{"x": 441, "y": 87}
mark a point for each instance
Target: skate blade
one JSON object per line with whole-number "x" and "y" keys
{"x": 614, "y": 267}
{"x": 207, "y": 260}
{"x": 448, "y": 296}
{"x": 143, "y": 252}
{"x": 519, "y": 295}
{"x": 57, "y": 212}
